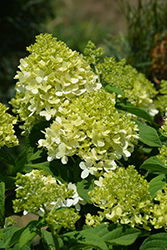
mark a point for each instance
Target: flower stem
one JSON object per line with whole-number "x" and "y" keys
{"x": 54, "y": 235}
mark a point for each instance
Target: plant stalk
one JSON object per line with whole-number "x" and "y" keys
{"x": 54, "y": 235}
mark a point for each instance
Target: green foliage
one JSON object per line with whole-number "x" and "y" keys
{"x": 155, "y": 242}
{"x": 94, "y": 164}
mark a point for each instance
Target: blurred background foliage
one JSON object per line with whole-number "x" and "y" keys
{"x": 131, "y": 29}
{"x": 20, "y": 22}
{"x": 145, "y": 44}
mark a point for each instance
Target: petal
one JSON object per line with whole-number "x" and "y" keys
{"x": 64, "y": 159}
{"x": 84, "y": 173}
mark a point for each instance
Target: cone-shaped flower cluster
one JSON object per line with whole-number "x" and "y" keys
{"x": 137, "y": 88}
{"x": 7, "y": 137}
{"x": 93, "y": 129}
{"x": 123, "y": 196}
{"x": 44, "y": 195}
{"x": 51, "y": 74}
{"x": 159, "y": 211}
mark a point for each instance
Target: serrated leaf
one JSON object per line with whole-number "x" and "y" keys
{"x": 116, "y": 234}
{"x": 31, "y": 155}
{"x": 122, "y": 235}
{"x": 155, "y": 242}
{"x": 41, "y": 166}
{"x": 154, "y": 165}
{"x": 148, "y": 135}
{"x": 84, "y": 186}
{"x": 2, "y": 203}
{"x": 85, "y": 238}
{"x": 113, "y": 89}
{"x": 156, "y": 184}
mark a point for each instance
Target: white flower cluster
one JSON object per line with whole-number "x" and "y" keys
{"x": 49, "y": 76}
{"x": 94, "y": 130}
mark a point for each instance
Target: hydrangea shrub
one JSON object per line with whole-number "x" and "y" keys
{"x": 93, "y": 167}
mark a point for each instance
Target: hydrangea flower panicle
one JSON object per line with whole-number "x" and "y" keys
{"x": 32, "y": 197}
{"x": 94, "y": 130}
{"x": 124, "y": 198}
{"x": 7, "y": 133}
{"x": 51, "y": 75}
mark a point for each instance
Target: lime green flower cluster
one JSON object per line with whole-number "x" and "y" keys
{"x": 163, "y": 155}
{"x": 66, "y": 217}
{"x": 164, "y": 127}
{"x": 137, "y": 88}
{"x": 163, "y": 150}
{"x": 93, "y": 129}
{"x": 124, "y": 197}
{"x": 7, "y": 137}
{"x": 44, "y": 195}
{"x": 161, "y": 102}
{"x": 159, "y": 211}
{"x": 49, "y": 76}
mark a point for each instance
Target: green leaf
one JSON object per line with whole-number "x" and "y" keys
{"x": 122, "y": 235}
{"x": 30, "y": 231}
{"x": 156, "y": 184}
{"x": 19, "y": 163}
{"x": 6, "y": 157}
{"x": 154, "y": 165}
{"x": 155, "y": 242}
{"x": 130, "y": 108}
{"x": 113, "y": 89}
{"x": 41, "y": 166}
{"x": 16, "y": 247}
{"x": 2, "y": 236}
{"x": 116, "y": 234}
{"x": 84, "y": 239}
{"x": 148, "y": 135}
{"x": 16, "y": 236}
{"x": 9, "y": 182}
{"x": 2, "y": 203}
{"x": 84, "y": 186}
{"x": 8, "y": 232}
{"x": 31, "y": 156}
{"x": 47, "y": 236}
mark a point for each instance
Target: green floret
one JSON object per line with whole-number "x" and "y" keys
{"x": 7, "y": 137}
{"x": 123, "y": 196}
{"x": 32, "y": 197}
{"x": 137, "y": 88}
{"x": 94, "y": 130}
{"x": 159, "y": 211}
{"x": 51, "y": 74}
